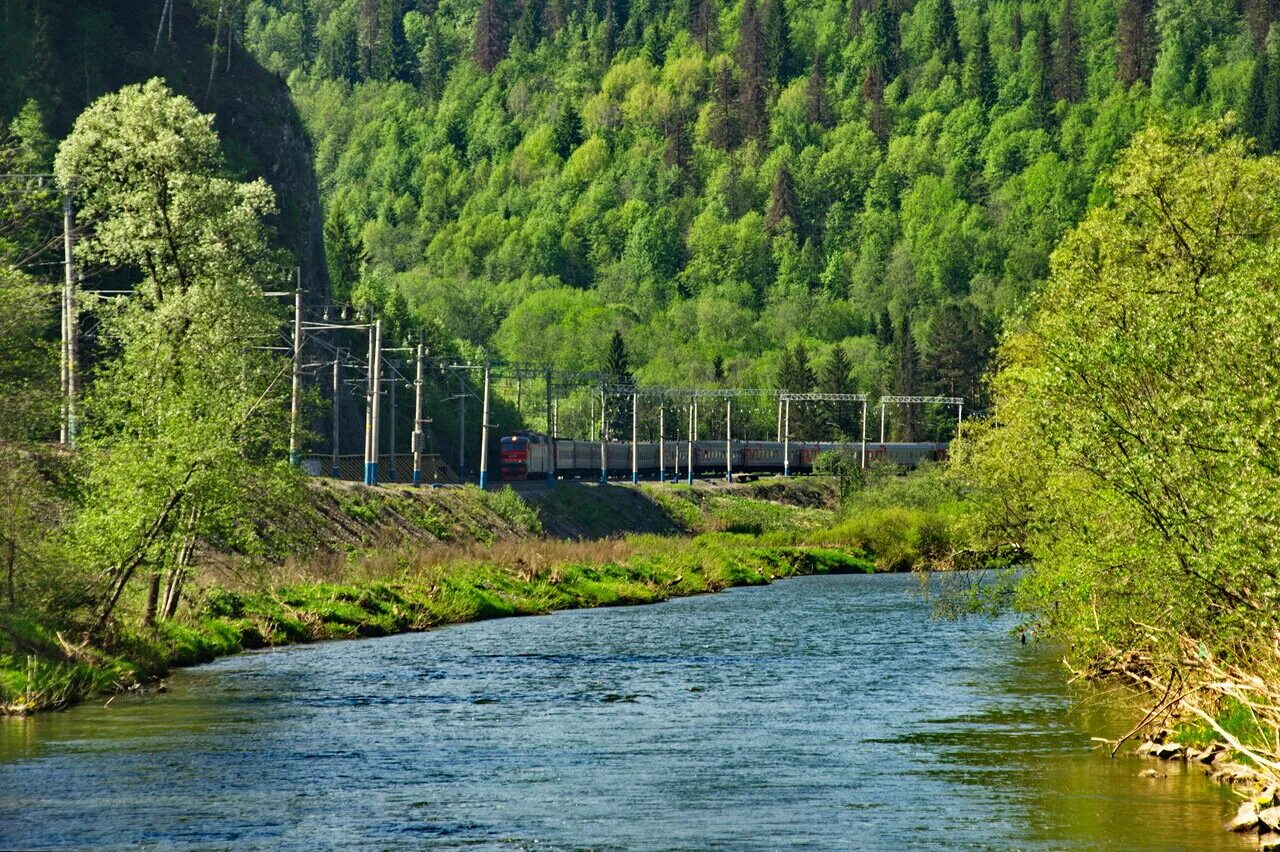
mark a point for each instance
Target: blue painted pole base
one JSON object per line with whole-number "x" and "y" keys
{"x": 370, "y": 473}
{"x": 551, "y": 478}
{"x": 484, "y": 480}
{"x": 604, "y": 477}
{"x": 417, "y": 477}
{"x": 336, "y": 473}
{"x": 295, "y": 459}
{"x": 786, "y": 471}
{"x": 635, "y": 478}
{"x": 662, "y": 476}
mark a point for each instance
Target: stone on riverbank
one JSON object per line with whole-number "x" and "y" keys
{"x": 1246, "y": 818}
{"x": 1270, "y": 818}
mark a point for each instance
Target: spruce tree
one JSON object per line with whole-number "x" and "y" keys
{"x": 1040, "y": 101}
{"x": 1016, "y": 29}
{"x": 344, "y": 255}
{"x": 1068, "y": 64}
{"x": 706, "y": 26}
{"x": 617, "y": 371}
{"x": 979, "y": 74}
{"x": 724, "y": 115}
{"x": 1260, "y": 15}
{"x": 943, "y": 33}
{"x": 491, "y": 35}
{"x": 1269, "y": 140}
{"x": 782, "y": 201}
{"x": 753, "y": 88}
{"x": 528, "y": 29}
{"x": 908, "y": 374}
{"x": 678, "y": 153}
{"x": 883, "y": 35}
{"x": 853, "y": 22}
{"x": 1135, "y": 41}
{"x": 780, "y": 56}
{"x": 836, "y": 379}
{"x": 817, "y": 105}
{"x": 1255, "y": 105}
{"x": 566, "y": 133}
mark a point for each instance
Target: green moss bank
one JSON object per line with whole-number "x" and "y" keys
{"x": 42, "y": 670}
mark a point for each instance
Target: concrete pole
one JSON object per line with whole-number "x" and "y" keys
{"x": 728, "y": 439}
{"x": 604, "y": 458}
{"x": 635, "y": 438}
{"x": 484, "y": 432}
{"x": 551, "y": 433}
{"x": 295, "y": 397}
{"x": 959, "y": 416}
{"x": 864, "y": 434}
{"x": 786, "y": 439}
{"x": 371, "y": 466}
{"x": 391, "y": 427}
{"x": 662, "y": 442}
{"x": 71, "y": 343}
{"x": 418, "y": 436}
{"x": 462, "y": 423}
{"x": 335, "y": 469}
{"x": 368, "y": 408}
{"x": 693, "y": 432}
{"x": 779, "y": 418}
{"x": 882, "y": 421}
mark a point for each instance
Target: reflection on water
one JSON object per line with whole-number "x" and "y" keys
{"x": 826, "y": 712}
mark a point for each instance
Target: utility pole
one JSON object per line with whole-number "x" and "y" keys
{"x": 635, "y": 424}
{"x": 375, "y": 386}
{"x": 391, "y": 427}
{"x": 70, "y": 328}
{"x": 484, "y": 432}
{"x": 295, "y": 397}
{"x": 728, "y": 439}
{"x": 418, "y": 436}
{"x": 551, "y": 434}
{"x": 368, "y": 408}
{"x": 334, "y": 469}
{"x": 662, "y": 442}
{"x": 462, "y": 424}
{"x": 864, "y": 434}
{"x": 786, "y": 438}
{"x": 959, "y": 416}
{"x": 693, "y": 435}
{"x": 780, "y": 405}
{"x": 882, "y": 421}
{"x": 604, "y": 456}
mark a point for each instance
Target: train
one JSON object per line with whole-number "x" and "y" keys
{"x": 528, "y": 455}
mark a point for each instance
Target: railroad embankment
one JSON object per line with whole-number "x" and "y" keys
{"x": 352, "y": 561}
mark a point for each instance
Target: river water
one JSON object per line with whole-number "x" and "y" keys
{"x": 817, "y": 713}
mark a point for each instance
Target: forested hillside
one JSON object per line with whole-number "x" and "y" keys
{"x": 720, "y": 181}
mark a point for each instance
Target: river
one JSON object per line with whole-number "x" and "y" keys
{"x": 817, "y": 713}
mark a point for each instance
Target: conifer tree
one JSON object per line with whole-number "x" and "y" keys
{"x": 706, "y": 26}
{"x": 883, "y": 33}
{"x": 836, "y": 379}
{"x": 566, "y": 133}
{"x": 1255, "y": 105}
{"x": 554, "y": 17}
{"x": 753, "y": 87}
{"x": 780, "y": 56}
{"x": 1068, "y": 64}
{"x": 943, "y": 32}
{"x": 873, "y": 97}
{"x": 817, "y": 105}
{"x": 908, "y": 373}
{"x": 617, "y": 371}
{"x": 1135, "y": 41}
{"x": 979, "y": 74}
{"x": 724, "y": 116}
{"x": 1260, "y": 15}
{"x": 491, "y": 35}
{"x": 1016, "y": 29}
{"x": 1269, "y": 140}
{"x": 796, "y": 375}
{"x": 1040, "y": 101}
{"x": 678, "y": 153}
{"x": 344, "y": 255}
{"x": 782, "y": 201}
{"x": 528, "y": 29}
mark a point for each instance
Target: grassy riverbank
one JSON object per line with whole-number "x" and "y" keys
{"x": 392, "y": 560}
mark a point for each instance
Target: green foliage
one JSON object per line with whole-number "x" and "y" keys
{"x": 1134, "y": 452}
{"x": 512, "y": 508}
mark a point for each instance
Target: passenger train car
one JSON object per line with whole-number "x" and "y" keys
{"x": 527, "y": 455}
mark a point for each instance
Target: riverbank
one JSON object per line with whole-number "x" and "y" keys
{"x": 370, "y": 562}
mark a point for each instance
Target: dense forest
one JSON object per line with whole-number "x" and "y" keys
{"x": 848, "y": 196}
{"x": 881, "y": 182}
